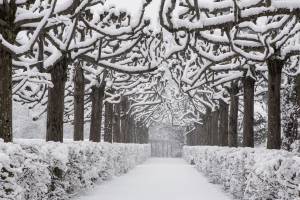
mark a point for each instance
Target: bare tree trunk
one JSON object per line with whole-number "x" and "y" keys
{"x": 130, "y": 130}
{"x": 274, "y": 112}
{"x": 55, "y": 106}
{"x": 201, "y": 134}
{"x": 223, "y": 130}
{"x": 7, "y": 30}
{"x": 297, "y": 87}
{"x": 196, "y": 136}
{"x": 124, "y": 120}
{"x": 134, "y": 132}
{"x": 78, "y": 104}
{"x": 108, "y": 119}
{"x": 298, "y": 102}
{"x": 97, "y": 96}
{"x": 215, "y": 128}
{"x": 208, "y": 128}
{"x": 142, "y": 134}
{"x": 5, "y": 96}
{"x": 233, "y": 116}
{"x": 188, "y": 137}
{"x": 248, "y": 132}
{"x": 204, "y": 131}
{"x": 192, "y": 136}
{"x": 116, "y": 124}
{"x": 138, "y": 133}
{"x": 198, "y": 133}
{"x": 146, "y": 135}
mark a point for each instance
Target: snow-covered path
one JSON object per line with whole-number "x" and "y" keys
{"x": 158, "y": 179}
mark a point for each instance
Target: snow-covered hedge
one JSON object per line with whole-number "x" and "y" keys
{"x": 249, "y": 174}
{"x": 56, "y": 171}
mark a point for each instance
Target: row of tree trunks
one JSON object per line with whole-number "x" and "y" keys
{"x": 7, "y": 30}
{"x": 118, "y": 126}
{"x": 215, "y": 127}
{"x": 213, "y": 130}
{"x": 215, "y": 134}
{"x": 125, "y": 129}
{"x": 198, "y": 135}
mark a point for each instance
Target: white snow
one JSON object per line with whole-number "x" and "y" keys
{"x": 30, "y": 168}
{"x": 158, "y": 179}
{"x": 249, "y": 173}
{"x": 134, "y": 7}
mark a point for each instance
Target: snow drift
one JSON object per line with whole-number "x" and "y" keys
{"x": 249, "y": 173}
{"x": 40, "y": 170}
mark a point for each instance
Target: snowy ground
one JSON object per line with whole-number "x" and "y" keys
{"x": 158, "y": 179}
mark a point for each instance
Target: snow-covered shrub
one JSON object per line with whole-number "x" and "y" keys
{"x": 56, "y": 171}
{"x": 250, "y": 174}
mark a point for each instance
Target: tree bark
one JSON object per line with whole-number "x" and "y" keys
{"x": 188, "y": 137}
{"x": 274, "y": 112}
{"x": 134, "y": 132}
{"x": 204, "y": 132}
{"x": 233, "y": 116}
{"x": 298, "y": 102}
{"x": 223, "y": 130}
{"x": 146, "y": 135}
{"x": 198, "y": 133}
{"x": 140, "y": 133}
{"x": 297, "y": 87}
{"x": 124, "y": 120}
{"x": 108, "y": 120}
{"x": 7, "y": 30}
{"x": 97, "y": 96}
{"x": 55, "y": 106}
{"x": 192, "y": 136}
{"x": 208, "y": 126}
{"x": 131, "y": 130}
{"x": 215, "y": 128}
{"x": 248, "y": 132}
{"x": 78, "y": 104}
{"x": 201, "y": 133}
{"x": 5, "y": 96}
{"x": 117, "y": 124}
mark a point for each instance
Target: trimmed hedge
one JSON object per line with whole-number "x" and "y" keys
{"x": 247, "y": 173}
{"x": 56, "y": 171}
